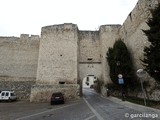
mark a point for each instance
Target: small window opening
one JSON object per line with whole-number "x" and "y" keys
{"x": 89, "y": 58}
{"x": 61, "y": 82}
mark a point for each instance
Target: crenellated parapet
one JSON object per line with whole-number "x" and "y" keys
{"x": 28, "y": 37}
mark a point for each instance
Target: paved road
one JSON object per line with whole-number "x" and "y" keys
{"x": 91, "y": 107}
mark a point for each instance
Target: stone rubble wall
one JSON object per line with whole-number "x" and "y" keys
{"x": 22, "y": 89}
{"x": 42, "y": 93}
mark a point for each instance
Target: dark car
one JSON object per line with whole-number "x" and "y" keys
{"x": 57, "y": 98}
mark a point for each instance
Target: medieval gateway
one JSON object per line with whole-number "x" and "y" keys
{"x": 36, "y": 66}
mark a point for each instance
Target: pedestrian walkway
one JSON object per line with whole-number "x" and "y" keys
{"x": 134, "y": 106}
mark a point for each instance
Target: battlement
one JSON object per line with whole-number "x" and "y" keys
{"x": 34, "y": 37}
{"x": 66, "y": 27}
{"x": 24, "y": 36}
{"x": 28, "y": 37}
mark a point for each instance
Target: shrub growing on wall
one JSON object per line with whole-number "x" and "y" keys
{"x": 120, "y": 62}
{"x": 152, "y": 52}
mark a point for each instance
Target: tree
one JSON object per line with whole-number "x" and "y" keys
{"x": 120, "y": 62}
{"x": 151, "y": 59}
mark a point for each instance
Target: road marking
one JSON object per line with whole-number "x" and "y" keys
{"x": 93, "y": 110}
{"x": 44, "y": 112}
{"x": 90, "y": 117}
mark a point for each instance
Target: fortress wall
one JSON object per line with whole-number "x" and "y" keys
{"x": 89, "y": 69}
{"x": 42, "y": 92}
{"x": 63, "y": 53}
{"x": 132, "y": 34}
{"x": 131, "y": 30}
{"x": 89, "y": 57}
{"x": 58, "y": 62}
{"x": 108, "y": 36}
{"x": 18, "y": 57}
{"x": 18, "y": 63}
{"x": 89, "y": 45}
{"x": 58, "y": 54}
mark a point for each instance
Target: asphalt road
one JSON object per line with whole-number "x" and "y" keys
{"x": 91, "y": 107}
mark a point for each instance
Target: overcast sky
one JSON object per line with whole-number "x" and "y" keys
{"x": 28, "y": 16}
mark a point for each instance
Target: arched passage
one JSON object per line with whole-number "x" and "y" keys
{"x": 88, "y": 73}
{"x": 89, "y": 81}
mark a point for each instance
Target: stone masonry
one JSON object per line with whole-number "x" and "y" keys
{"x": 35, "y": 67}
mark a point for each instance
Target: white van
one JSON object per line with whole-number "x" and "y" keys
{"x": 7, "y": 96}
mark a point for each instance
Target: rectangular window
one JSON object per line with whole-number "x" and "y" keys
{"x": 3, "y": 94}
{"x": 7, "y": 94}
{"x": 89, "y": 59}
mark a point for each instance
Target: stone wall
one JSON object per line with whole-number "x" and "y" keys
{"x": 58, "y": 54}
{"x": 131, "y": 33}
{"x": 108, "y": 36}
{"x": 18, "y": 63}
{"x": 22, "y": 89}
{"x": 90, "y": 69}
{"x": 131, "y": 30}
{"x": 89, "y": 55}
{"x": 135, "y": 39}
{"x": 18, "y": 56}
{"x": 57, "y": 63}
{"x": 89, "y": 45}
{"x": 42, "y": 93}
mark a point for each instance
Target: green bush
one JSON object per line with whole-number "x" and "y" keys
{"x": 151, "y": 59}
{"x": 120, "y": 62}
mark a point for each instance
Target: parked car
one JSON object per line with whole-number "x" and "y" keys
{"x": 7, "y": 96}
{"x": 57, "y": 98}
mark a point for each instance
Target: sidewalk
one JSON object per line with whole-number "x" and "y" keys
{"x": 134, "y": 106}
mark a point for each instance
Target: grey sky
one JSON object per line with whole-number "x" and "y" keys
{"x": 28, "y": 16}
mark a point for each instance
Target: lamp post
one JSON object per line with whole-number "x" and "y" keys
{"x": 141, "y": 73}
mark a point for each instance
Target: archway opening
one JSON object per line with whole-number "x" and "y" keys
{"x": 89, "y": 82}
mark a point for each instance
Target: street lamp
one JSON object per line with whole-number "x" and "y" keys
{"x": 141, "y": 73}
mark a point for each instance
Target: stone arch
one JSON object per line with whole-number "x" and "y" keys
{"x": 88, "y": 81}
{"x": 89, "y": 70}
